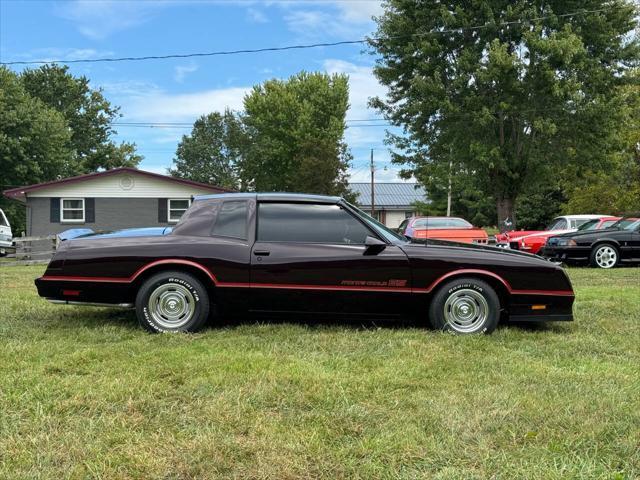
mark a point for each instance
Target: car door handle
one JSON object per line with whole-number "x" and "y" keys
{"x": 261, "y": 253}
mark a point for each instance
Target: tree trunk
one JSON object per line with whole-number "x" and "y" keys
{"x": 506, "y": 214}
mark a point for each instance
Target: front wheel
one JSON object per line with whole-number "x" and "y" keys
{"x": 172, "y": 302}
{"x": 465, "y": 306}
{"x": 605, "y": 256}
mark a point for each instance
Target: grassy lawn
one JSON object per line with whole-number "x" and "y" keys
{"x": 84, "y": 393}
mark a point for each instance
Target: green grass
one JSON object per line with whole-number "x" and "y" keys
{"x": 84, "y": 393}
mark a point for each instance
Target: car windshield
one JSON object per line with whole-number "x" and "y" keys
{"x": 382, "y": 230}
{"x": 558, "y": 224}
{"x": 590, "y": 225}
{"x": 3, "y": 220}
{"x": 629, "y": 223}
{"x": 441, "y": 222}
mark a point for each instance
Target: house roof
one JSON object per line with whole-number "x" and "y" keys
{"x": 389, "y": 195}
{"x": 19, "y": 193}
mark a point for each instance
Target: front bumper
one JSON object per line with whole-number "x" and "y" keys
{"x": 566, "y": 254}
{"x": 533, "y": 307}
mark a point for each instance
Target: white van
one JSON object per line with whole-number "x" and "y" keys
{"x": 5, "y": 234}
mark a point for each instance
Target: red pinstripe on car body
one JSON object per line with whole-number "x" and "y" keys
{"x": 218, "y": 283}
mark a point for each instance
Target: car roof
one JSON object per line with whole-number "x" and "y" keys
{"x": 583, "y": 216}
{"x": 273, "y": 197}
{"x": 437, "y": 216}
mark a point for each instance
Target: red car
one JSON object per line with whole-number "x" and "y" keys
{"x": 533, "y": 243}
{"x": 443, "y": 228}
{"x": 562, "y": 224}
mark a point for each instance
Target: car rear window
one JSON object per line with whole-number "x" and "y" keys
{"x": 231, "y": 220}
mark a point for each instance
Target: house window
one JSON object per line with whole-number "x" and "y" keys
{"x": 176, "y": 208}
{"x": 72, "y": 210}
{"x": 408, "y": 214}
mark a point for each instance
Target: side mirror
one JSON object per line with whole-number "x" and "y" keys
{"x": 374, "y": 245}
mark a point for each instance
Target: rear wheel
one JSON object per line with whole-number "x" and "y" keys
{"x": 465, "y": 306}
{"x": 172, "y": 302}
{"x": 605, "y": 256}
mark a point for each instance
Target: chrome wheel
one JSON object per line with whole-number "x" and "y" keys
{"x": 466, "y": 310}
{"x": 606, "y": 256}
{"x": 171, "y": 305}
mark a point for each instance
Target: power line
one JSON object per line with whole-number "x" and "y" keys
{"x": 305, "y": 46}
{"x": 383, "y": 122}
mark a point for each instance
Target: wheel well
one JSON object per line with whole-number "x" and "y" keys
{"x": 496, "y": 284}
{"x": 174, "y": 267}
{"x": 607, "y": 242}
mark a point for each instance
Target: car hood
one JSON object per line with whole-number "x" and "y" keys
{"x": 416, "y": 246}
{"x": 587, "y": 233}
{"x": 547, "y": 234}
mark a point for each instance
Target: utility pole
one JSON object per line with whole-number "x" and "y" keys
{"x": 373, "y": 195}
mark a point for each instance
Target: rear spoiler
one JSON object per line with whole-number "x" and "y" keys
{"x": 74, "y": 233}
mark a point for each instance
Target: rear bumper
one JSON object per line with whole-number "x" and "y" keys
{"x": 63, "y": 291}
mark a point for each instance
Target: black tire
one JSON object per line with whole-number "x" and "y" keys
{"x": 604, "y": 255}
{"x": 172, "y": 301}
{"x": 465, "y": 295}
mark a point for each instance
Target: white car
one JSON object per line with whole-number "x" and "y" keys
{"x": 559, "y": 225}
{"x": 6, "y": 238}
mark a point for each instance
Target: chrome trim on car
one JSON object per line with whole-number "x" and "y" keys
{"x": 90, "y": 304}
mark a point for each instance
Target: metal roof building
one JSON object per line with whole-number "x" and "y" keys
{"x": 393, "y": 200}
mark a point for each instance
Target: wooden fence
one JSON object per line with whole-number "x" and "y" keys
{"x": 32, "y": 250}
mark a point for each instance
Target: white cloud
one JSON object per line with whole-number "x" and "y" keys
{"x": 160, "y": 106}
{"x": 54, "y": 53}
{"x": 181, "y": 71}
{"x": 312, "y": 23}
{"x": 343, "y": 19}
{"x": 97, "y": 19}
{"x": 256, "y": 16}
{"x": 360, "y": 11}
{"x": 362, "y": 86}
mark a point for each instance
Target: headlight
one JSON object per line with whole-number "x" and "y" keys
{"x": 566, "y": 242}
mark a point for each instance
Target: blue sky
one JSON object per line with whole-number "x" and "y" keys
{"x": 179, "y": 90}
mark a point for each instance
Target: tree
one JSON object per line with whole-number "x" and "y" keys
{"x": 34, "y": 141}
{"x": 467, "y": 200}
{"x": 613, "y": 187}
{"x": 88, "y": 114}
{"x": 213, "y": 151}
{"x": 530, "y": 91}
{"x": 295, "y": 135}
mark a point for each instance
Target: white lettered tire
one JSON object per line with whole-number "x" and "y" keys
{"x": 465, "y": 306}
{"x": 172, "y": 301}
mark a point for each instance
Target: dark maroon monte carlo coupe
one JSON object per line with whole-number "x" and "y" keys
{"x": 268, "y": 253}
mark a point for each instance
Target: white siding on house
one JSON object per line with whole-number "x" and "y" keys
{"x": 393, "y": 219}
{"x": 124, "y": 184}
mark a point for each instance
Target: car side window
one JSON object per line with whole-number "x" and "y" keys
{"x": 403, "y": 226}
{"x": 577, "y": 223}
{"x": 309, "y": 223}
{"x": 231, "y": 220}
